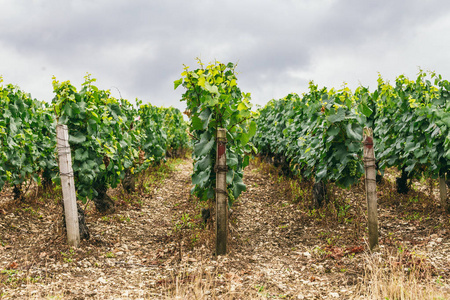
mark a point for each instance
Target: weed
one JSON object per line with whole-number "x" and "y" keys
{"x": 298, "y": 193}
{"x": 414, "y": 199}
{"x": 331, "y": 241}
{"x": 123, "y": 219}
{"x": 11, "y": 275}
{"x": 194, "y": 238}
{"x": 185, "y": 222}
{"x": 31, "y": 211}
{"x": 342, "y": 211}
{"x": 320, "y": 252}
{"x": 68, "y": 257}
{"x": 317, "y": 214}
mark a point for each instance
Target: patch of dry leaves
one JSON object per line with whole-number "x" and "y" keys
{"x": 278, "y": 247}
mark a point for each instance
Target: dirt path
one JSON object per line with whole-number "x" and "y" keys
{"x": 125, "y": 257}
{"x": 155, "y": 246}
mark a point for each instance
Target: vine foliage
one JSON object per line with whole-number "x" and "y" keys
{"x": 27, "y": 139}
{"x": 215, "y": 101}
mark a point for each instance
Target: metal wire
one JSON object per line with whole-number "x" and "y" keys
{"x": 218, "y": 169}
{"x": 220, "y": 191}
{"x": 369, "y": 162}
{"x": 66, "y": 174}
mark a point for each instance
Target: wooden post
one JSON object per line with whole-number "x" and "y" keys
{"x": 371, "y": 187}
{"x": 443, "y": 193}
{"x": 221, "y": 193}
{"x": 68, "y": 185}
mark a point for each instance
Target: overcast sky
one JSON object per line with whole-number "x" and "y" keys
{"x": 140, "y": 46}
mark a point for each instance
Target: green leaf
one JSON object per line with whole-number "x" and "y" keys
{"x": 238, "y": 186}
{"x": 366, "y": 110}
{"x": 337, "y": 117}
{"x": 332, "y": 131}
{"x": 443, "y": 118}
{"x": 204, "y": 163}
{"x": 211, "y": 88}
{"x": 354, "y": 131}
{"x": 252, "y": 128}
{"x": 78, "y": 138}
{"x": 410, "y": 165}
{"x": 177, "y": 83}
{"x": 246, "y": 161}
{"x": 81, "y": 154}
{"x": 205, "y": 145}
{"x": 197, "y": 123}
{"x": 232, "y": 159}
{"x": 201, "y": 178}
{"x": 242, "y": 106}
{"x": 245, "y": 138}
{"x": 321, "y": 174}
{"x": 230, "y": 176}
{"x": 68, "y": 109}
{"x": 205, "y": 117}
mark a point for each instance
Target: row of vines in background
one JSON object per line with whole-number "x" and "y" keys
{"x": 110, "y": 138}
{"x": 318, "y": 135}
{"x": 27, "y": 139}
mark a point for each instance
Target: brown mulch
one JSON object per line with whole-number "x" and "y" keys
{"x": 155, "y": 245}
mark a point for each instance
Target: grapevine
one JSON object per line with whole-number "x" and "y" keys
{"x": 214, "y": 100}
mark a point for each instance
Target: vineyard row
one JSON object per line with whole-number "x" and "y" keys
{"x": 110, "y": 138}
{"x": 318, "y": 135}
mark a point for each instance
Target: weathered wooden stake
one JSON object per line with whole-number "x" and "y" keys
{"x": 371, "y": 187}
{"x": 443, "y": 193}
{"x": 68, "y": 185}
{"x": 221, "y": 193}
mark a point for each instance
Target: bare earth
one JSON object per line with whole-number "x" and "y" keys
{"x": 154, "y": 245}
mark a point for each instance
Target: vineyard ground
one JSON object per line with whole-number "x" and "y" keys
{"x": 154, "y": 245}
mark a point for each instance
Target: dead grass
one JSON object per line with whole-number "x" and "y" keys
{"x": 403, "y": 276}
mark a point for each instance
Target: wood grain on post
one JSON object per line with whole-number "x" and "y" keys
{"x": 221, "y": 193}
{"x": 443, "y": 193}
{"x": 67, "y": 185}
{"x": 371, "y": 187}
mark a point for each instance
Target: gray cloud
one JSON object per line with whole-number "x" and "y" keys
{"x": 140, "y": 46}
